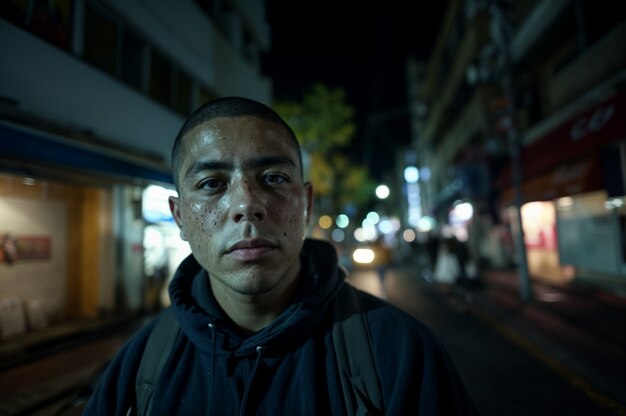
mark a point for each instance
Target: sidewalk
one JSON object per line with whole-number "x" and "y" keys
{"x": 33, "y": 345}
{"x": 576, "y": 330}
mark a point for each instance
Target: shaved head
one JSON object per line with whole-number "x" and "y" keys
{"x": 226, "y": 107}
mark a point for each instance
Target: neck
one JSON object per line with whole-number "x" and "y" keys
{"x": 253, "y": 312}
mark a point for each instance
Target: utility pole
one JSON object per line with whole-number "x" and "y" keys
{"x": 500, "y": 32}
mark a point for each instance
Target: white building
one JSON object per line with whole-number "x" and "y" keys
{"x": 92, "y": 94}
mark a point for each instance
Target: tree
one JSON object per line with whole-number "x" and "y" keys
{"x": 324, "y": 125}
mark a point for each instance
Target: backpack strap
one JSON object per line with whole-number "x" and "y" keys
{"x": 355, "y": 357}
{"x": 160, "y": 342}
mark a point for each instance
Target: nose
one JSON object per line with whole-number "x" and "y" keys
{"x": 247, "y": 202}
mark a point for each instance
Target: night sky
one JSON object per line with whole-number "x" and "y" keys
{"x": 360, "y": 49}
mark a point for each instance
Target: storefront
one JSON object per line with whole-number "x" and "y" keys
{"x": 573, "y": 195}
{"x": 71, "y": 230}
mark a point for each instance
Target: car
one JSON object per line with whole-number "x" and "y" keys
{"x": 371, "y": 256}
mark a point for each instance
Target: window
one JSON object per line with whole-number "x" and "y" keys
{"x": 101, "y": 40}
{"x": 51, "y": 20}
{"x": 132, "y": 59}
{"x": 182, "y": 102}
{"x": 160, "y": 78}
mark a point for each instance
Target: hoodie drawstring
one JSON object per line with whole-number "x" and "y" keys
{"x": 259, "y": 351}
{"x": 212, "y": 367}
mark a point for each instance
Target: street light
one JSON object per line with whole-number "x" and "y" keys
{"x": 411, "y": 174}
{"x": 382, "y": 191}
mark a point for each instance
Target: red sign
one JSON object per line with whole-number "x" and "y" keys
{"x": 17, "y": 248}
{"x": 579, "y": 137}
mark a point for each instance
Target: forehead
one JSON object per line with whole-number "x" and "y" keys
{"x": 233, "y": 136}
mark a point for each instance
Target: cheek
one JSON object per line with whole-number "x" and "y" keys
{"x": 202, "y": 223}
{"x": 295, "y": 216}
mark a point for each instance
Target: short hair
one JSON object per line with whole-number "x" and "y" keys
{"x": 227, "y": 107}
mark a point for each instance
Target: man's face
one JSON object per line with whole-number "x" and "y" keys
{"x": 242, "y": 204}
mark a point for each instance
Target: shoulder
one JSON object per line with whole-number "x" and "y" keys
{"x": 386, "y": 319}
{"x": 413, "y": 364}
{"x": 115, "y": 388}
{"x": 396, "y": 333}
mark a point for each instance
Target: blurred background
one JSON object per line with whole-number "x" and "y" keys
{"x": 468, "y": 157}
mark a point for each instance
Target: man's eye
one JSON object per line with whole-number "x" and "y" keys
{"x": 211, "y": 184}
{"x": 275, "y": 178}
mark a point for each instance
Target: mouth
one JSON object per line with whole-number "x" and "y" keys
{"x": 250, "y": 250}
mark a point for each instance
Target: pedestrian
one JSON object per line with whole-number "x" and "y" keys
{"x": 447, "y": 268}
{"x": 256, "y": 301}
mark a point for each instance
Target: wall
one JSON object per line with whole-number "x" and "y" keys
{"x": 43, "y": 280}
{"x": 595, "y": 65}
{"x": 57, "y": 86}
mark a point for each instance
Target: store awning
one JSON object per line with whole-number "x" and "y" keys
{"x": 582, "y": 135}
{"x": 569, "y": 179}
{"x": 20, "y": 144}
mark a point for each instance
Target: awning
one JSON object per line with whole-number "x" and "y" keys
{"x": 569, "y": 179}
{"x": 30, "y": 146}
{"x": 581, "y": 136}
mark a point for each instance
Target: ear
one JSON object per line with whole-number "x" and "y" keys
{"x": 175, "y": 210}
{"x": 308, "y": 186}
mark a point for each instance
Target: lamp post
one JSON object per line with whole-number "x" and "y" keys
{"x": 500, "y": 33}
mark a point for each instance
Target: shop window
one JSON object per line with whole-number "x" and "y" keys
{"x": 160, "y": 78}
{"x": 101, "y": 37}
{"x": 132, "y": 60}
{"x": 183, "y": 93}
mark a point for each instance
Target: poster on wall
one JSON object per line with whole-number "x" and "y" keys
{"x": 14, "y": 248}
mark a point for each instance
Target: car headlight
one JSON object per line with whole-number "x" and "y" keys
{"x": 363, "y": 255}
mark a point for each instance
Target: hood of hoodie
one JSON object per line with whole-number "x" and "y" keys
{"x": 208, "y": 327}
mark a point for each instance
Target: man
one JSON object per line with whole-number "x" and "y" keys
{"x": 255, "y": 300}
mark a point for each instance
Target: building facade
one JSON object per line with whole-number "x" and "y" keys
{"x": 92, "y": 94}
{"x": 547, "y": 78}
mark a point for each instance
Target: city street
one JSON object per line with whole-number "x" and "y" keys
{"x": 504, "y": 372}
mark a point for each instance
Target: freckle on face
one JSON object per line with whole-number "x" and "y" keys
{"x": 208, "y": 220}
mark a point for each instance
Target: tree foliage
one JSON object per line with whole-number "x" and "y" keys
{"x": 324, "y": 125}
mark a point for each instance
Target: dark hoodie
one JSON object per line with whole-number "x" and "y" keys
{"x": 288, "y": 368}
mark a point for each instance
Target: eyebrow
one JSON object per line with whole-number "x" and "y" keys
{"x": 253, "y": 163}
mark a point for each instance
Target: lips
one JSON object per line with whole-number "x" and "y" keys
{"x": 249, "y": 250}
